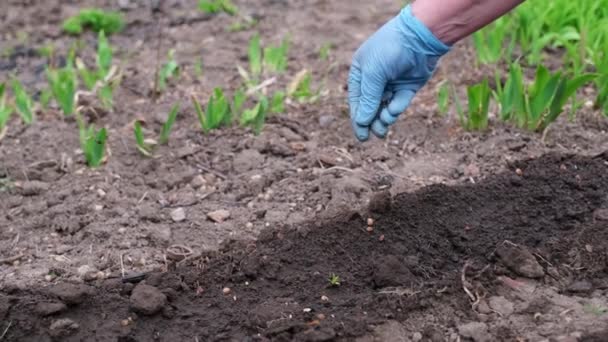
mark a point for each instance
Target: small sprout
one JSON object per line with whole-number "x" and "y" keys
{"x": 93, "y": 144}
{"x": 479, "y": 103}
{"x": 275, "y": 58}
{"x": 5, "y": 110}
{"x": 168, "y": 71}
{"x": 237, "y": 103}
{"x": 217, "y": 6}
{"x": 255, "y": 55}
{"x": 334, "y": 280}
{"x": 166, "y": 130}
{"x": 142, "y": 147}
{"x": 277, "y": 104}
{"x": 23, "y": 102}
{"x": 325, "y": 51}
{"x": 218, "y": 111}
{"x": 443, "y": 98}
{"x": 299, "y": 88}
{"x": 256, "y": 116}
{"x": 63, "y": 83}
{"x": 96, "y": 19}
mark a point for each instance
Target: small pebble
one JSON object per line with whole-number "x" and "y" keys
{"x": 381, "y": 238}
{"x": 122, "y": 230}
{"x": 101, "y": 193}
{"x": 249, "y": 225}
{"x": 324, "y": 298}
{"x": 226, "y": 290}
{"x": 370, "y": 229}
{"x": 370, "y": 221}
{"x": 307, "y": 310}
{"x": 321, "y": 316}
{"x": 519, "y": 172}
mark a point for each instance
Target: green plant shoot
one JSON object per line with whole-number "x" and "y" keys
{"x": 23, "y": 102}
{"x": 443, "y": 98}
{"x": 256, "y": 116}
{"x": 218, "y": 111}
{"x": 166, "y": 130}
{"x": 277, "y": 103}
{"x": 169, "y": 70}
{"x": 92, "y": 142}
{"x": 5, "y": 110}
{"x": 96, "y": 19}
{"x": 63, "y": 84}
{"x": 275, "y": 58}
{"x": 325, "y": 51}
{"x": 216, "y": 6}
{"x": 255, "y": 56}
{"x": 142, "y": 147}
{"x": 334, "y": 280}
{"x": 237, "y": 103}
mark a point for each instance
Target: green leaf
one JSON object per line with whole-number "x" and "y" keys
{"x": 325, "y": 51}
{"x": 255, "y": 55}
{"x": 443, "y": 98}
{"x": 95, "y": 19}
{"x": 169, "y": 70}
{"x": 237, "y": 103}
{"x": 5, "y": 110}
{"x": 200, "y": 114}
{"x": 23, "y": 102}
{"x": 166, "y": 130}
{"x": 104, "y": 55}
{"x": 275, "y": 58}
{"x": 94, "y": 146}
{"x": 63, "y": 84}
{"x": 256, "y": 116}
{"x": 142, "y": 147}
{"x": 277, "y": 104}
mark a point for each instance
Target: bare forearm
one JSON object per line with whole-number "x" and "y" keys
{"x": 452, "y": 20}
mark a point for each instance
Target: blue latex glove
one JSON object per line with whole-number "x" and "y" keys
{"x": 388, "y": 70}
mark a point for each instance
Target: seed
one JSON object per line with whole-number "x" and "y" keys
{"x": 370, "y": 221}
{"x": 519, "y": 172}
{"x": 381, "y": 238}
{"x": 226, "y": 290}
{"x": 324, "y": 298}
{"x": 321, "y": 316}
{"x": 370, "y": 229}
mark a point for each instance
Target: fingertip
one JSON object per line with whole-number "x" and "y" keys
{"x": 400, "y": 102}
{"x": 361, "y": 133}
{"x": 379, "y": 129}
{"x": 387, "y": 118}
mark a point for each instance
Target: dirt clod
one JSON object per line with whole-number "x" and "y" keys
{"x": 219, "y": 216}
{"x": 477, "y": 331}
{"x": 501, "y": 305}
{"x": 33, "y": 188}
{"x": 519, "y": 260}
{"x": 71, "y": 294}
{"x": 49, "y": 308}
{"x": 147, "y": 300}
{"x": 63, "y": 327}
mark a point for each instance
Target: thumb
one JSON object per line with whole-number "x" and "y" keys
{"x": 401, "y": 100}
{"x": 372, "y": 88}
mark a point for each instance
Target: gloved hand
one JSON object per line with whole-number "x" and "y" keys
{"x": 388, "y": 70}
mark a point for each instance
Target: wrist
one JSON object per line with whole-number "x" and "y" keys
{"x": 429, "y": 43}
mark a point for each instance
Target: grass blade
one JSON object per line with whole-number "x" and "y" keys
{"x": 166, "y": 130}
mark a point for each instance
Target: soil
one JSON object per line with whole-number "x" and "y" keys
{"x": 530, "y": 244}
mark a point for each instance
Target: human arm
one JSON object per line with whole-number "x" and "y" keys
{"x": 398, "y": 60}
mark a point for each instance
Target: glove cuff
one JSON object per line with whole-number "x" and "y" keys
{"x": 428, "y": 41}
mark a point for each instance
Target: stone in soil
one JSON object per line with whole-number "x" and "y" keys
{"x": 63, "y": 327}
{"x": 147, "y": 300}
{"x": 33, "y": 188}
{"x": 501, "y": 305}
{"x": 178, "y": 215}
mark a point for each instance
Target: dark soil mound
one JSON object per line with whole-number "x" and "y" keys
{"x": 277, "y": 288}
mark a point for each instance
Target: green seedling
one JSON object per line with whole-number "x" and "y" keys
{"x": 325, "y": 51}
{"x": 6, "y": 184}
{"x": 476, "y": 118}
{"x": 300, "y": 88}
{"x": 168, "y": 71}
{"x": 334, "y": 280}
{"x": 238, "y": 101}
{"x": 92, "y": 142}
{"x": 142, "y": 146}
{"x": 255, "y": 56}
{"x": 275, "y": 57}
{"x": 242, "y": 24}
{"x": 63, "y": 84}
{"x": 547, "y": 96}
{"x": 595, "y": 310}
{"x": 166, "y": 130}
{"x": 218, "y": 111}
{"x": 443, "y": 98}
{"x": 96, "y": 19}
{"x": 23, "y": 102}
{"x": 5, "y": 110}
{"x": 256, "y": 116}
{"x": 217, "y": 6}
{"x": 277, "y": 103}
{"x": 46, "y": 95}
{"x": 490, "y": 44}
